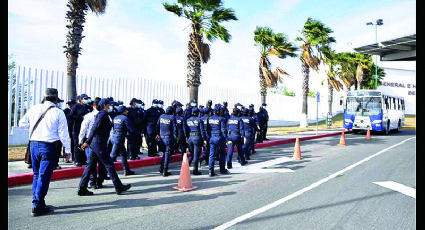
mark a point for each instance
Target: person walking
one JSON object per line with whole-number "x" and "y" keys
{"x": 122, "y": 125}
{"x": 95, "y": 182}
{"x": 48, "y": 128}
{"x": 166, "y": 129}
{"x": 218, "y": 130}
{"x": 235, "y": 128}
{"x": 98, "y": 141}
{"x": 195, "y": 132}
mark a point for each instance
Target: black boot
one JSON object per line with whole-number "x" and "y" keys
{"x": 122, "y": 189}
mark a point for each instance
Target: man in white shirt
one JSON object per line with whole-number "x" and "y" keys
{"x": 53, "y": 128}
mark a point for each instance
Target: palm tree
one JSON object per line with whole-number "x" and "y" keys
{"x": 331, "y": 61}
{"x": 205, "y": 17}
{"x": 271, "y": 44}
{"x": 76, "y": 18}
{"x": 363, "y": 62}
{"x": 314, "y": 37}
{"x": 369, "y": 77}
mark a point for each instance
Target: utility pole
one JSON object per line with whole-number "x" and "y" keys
{"x": 379, "y": 22}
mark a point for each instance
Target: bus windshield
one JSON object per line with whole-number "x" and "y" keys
{"x": 364, "y": 106}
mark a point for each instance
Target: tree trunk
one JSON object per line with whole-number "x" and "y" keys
{"x": 330, "y": 97}
{"x": 75, "y": 17}
{"x": 263, "y": 87}
{"x": 194, "y": 63}
{"x": 193, "y": 92}
{"x": 305, "y": 81}
{"x": 71, "y": 77}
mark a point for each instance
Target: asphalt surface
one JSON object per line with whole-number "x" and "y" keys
{"x": 313, "y": 196}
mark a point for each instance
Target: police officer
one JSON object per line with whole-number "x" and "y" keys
{"x": 252, "y": 115}
{"x": 97, "y": 141}
{"x": 76, "y": 118}
{"x": 151, "y": 119}
{"x": 134, "y": 140}
{"x": 225, "y": 112}
{"x": 188, "y": 111}
{"x": 181, "y": 144}
{"x": 167, "y": 132}
{"x": 264, "y": 121}
{"x": 249, "y": 128}
{"x": 235, "y": 128}
{"x": 122, "y": 124}
{"x": 218, "y": 129}
{"x": 206, "y": 148}
{"x": 196, "y": 133}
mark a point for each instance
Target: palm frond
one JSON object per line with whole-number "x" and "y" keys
{"x": 173, "y": 8}
{"x": 97, "y": 6}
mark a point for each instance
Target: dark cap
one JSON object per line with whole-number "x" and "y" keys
{"x": 103, "y": 102}
{"x": 51, "y": 92}
{"x": 133, "y": 100}
{"x": 71, "y": 102}
{"x": 217, "y": 107}
{"x": 169, "y": 110}
{"x": 121, "y": 109}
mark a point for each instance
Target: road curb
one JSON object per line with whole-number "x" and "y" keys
{"x": 68, "y": 173}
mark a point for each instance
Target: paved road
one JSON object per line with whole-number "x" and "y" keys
{"x": 331, "y": 188}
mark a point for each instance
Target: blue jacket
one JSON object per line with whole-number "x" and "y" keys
{"x": 195, "y": 125}
{"x": 101, "y": 128}
{"x": 151, "y": 118}
{"x": 180, "y": 127}
{"x": 235, "y": 126}
{"x": 249, "y": 126}
{"x": 217, "y": 126}
{"x": 167, "y": 126}
{"x": 122, "y": 124}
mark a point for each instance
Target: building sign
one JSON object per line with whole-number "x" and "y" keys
{"x": 402, "y": 83}
{"x": 410, "y": 86}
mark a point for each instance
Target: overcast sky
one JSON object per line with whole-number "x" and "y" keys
{"x": 138, "y": 38}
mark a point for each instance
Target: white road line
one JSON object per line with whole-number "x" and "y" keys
{"x": 262, "y": 167}
{"x": 398, "y": 187}
{"x": 301, "y": 191}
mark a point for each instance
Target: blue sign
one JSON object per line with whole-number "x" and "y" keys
{"x": 318, "y": 96}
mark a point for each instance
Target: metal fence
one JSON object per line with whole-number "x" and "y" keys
{"x": 26, "y": 87}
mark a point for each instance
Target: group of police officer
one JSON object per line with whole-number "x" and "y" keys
{"x": 170, "y": 131}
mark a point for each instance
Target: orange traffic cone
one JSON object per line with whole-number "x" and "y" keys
{"x": 342, "y": 139}
{"x": 368, "y": 134}
{"x": 297, "y": 150}
{"x": 185, "y": 181}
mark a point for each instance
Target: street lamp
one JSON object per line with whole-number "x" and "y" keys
{"x": 379, "y": 22}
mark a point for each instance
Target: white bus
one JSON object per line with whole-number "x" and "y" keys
{"x": 374, "y": 109}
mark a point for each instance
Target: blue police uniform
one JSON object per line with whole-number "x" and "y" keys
{"x": 206, "y": 155}
{"x": 217, "y": 128}
{"x": 97, "y": 140}
{"x": 196, "y": 133}
{"x": 167, "y": 130}
{"x": 151, "y": 120}
{"x": 122, "y": 124}
{"x": 76, "y": 117}
{"x": 181, "y": 140}
{"x": 249, "y": 131}
{"x": 134, "y": 140}
{"x": 235, "y": 128}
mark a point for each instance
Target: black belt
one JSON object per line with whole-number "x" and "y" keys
{"x": 195, "y": 134}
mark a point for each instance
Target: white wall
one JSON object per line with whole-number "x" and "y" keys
{"x": 401, "y": 82}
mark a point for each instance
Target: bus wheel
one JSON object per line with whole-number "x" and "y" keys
{"x": 387, "y": 131}
{"x": 399, "y": 126}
